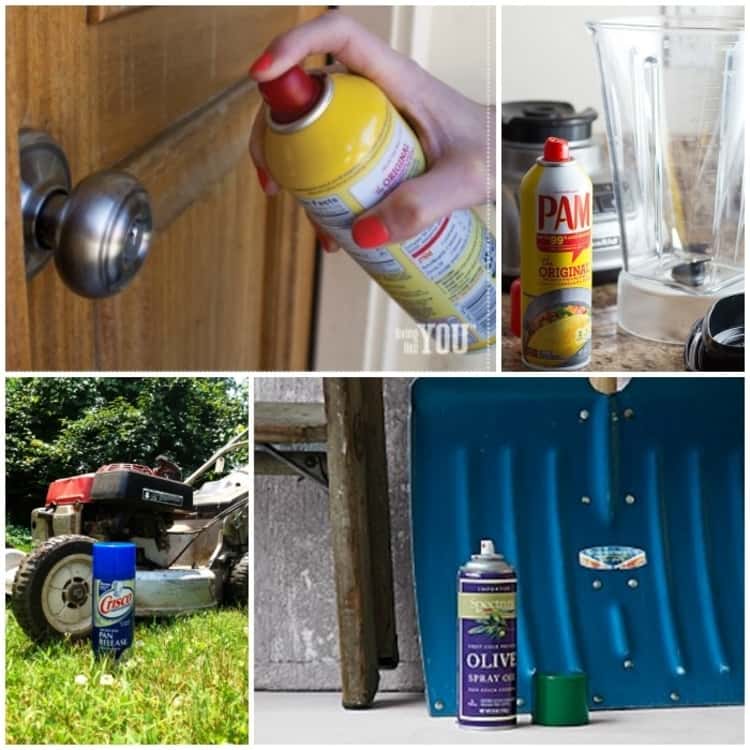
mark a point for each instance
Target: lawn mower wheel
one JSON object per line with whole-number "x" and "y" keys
{"x": 52, "y": 589}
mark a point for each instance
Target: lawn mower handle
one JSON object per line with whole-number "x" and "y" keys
{"x": 236, "y": 442}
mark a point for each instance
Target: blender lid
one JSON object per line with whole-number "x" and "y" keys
{"x": 535, "y": 121}
{"x": 717, "y": 341}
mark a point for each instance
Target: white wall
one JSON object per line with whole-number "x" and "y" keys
{"x": 548, "y": 54}
{"x": 460, "y": 48}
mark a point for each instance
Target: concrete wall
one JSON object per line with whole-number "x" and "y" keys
{"x": 296, "y": 642}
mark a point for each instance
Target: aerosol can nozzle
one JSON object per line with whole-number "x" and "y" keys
{"x": 291, "y": 95}
{"x": 487, "y": 547}
{"x": 556, "y": 150}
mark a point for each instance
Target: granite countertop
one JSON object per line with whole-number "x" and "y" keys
{"x": 613, "y": 350}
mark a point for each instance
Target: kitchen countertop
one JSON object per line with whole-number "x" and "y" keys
{"x": 613, "y": 350}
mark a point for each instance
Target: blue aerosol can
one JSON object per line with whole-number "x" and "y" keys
{"x": 486, "y": 690}
{"x": 114, "y": 597}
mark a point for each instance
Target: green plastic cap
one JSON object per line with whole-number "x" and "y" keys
{"x": 560, "y": 699}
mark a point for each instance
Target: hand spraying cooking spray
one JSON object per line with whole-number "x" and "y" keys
{"x": 339, "y": 146}
{"x": 486, "y": 690}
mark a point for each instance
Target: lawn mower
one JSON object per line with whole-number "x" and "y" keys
{"x": 191, "y": 543}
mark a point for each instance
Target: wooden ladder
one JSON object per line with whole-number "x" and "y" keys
{"x": 350, "y": 424}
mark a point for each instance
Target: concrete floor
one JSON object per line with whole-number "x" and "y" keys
{"x": 317, "y": 718}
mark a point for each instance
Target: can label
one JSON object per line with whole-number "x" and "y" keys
{"x": 397, "y": 157}
{"x": 487, "y": 651}
{"x": 556, "y": 221}
{"x": 114, "y": 615}
{"x": 444, "y": 274}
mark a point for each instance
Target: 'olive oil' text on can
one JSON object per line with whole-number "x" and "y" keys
{"x": 486, "y": 690}
{"x": 556, "y": 211}
{"x": 339, "y": 146}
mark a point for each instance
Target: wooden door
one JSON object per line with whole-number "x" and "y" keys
{"x": 163, "y": 93}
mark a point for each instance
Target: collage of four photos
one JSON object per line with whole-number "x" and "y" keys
{"x": 496, "y": 478}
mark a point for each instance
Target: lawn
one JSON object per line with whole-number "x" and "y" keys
{"x": 18, "y": 537}
{"x": 185, "y": 683}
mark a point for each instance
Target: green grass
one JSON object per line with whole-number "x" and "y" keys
{"x": 185, "y": 683}
{"x": 18, "y": 537}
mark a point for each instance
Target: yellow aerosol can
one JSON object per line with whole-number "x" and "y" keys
{"x": 339, "y": 146}
{"x": 556, "y": 215}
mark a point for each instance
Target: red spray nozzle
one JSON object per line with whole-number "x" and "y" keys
{"x": 556, "y": 149}
{"x": 515, "y": 307}
{"x": 291, "y": 95}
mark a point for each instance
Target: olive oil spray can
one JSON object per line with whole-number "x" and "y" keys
{"x": 337, "y": 143}
{"x": 486, "y": 690}
{"x": 556, "y": 216}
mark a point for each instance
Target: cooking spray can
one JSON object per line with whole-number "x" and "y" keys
{"x": 556, "y": 210}
{"x": 114, "y": 597}
{"x": 339, "y": 146}
{"x": 486, "y": 690}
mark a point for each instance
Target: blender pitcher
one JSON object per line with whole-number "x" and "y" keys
{"x": 673, "y": 97}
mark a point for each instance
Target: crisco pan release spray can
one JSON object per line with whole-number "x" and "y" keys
{"x": 556, "y": 211}
{"x": 114, "y": 597}
{"x": 486, "y": 690}
{"x": 337, "y": 143}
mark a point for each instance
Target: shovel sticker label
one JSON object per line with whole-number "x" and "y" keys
{"x": 612, "y": 557}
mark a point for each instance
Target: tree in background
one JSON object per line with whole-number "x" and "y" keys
{"x": 59, "y": 427}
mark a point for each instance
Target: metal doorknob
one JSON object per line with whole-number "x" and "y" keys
{"x": 99, "y": 232}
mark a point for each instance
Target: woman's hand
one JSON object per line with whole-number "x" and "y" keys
{"x": 457, "y": 134}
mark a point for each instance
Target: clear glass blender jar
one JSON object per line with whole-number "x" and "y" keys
{"x": 673, "y": 91}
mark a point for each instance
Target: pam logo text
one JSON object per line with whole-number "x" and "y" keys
{"x": 565, "y": 213}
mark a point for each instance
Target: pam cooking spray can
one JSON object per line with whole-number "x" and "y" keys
{"x": 114, "y": 597}
{"x": 486, "y": 697}
{"x": 339, "y": 146}
{"x": 556, "y": 210}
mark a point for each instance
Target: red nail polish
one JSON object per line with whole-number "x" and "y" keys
{"x": 261, "y": 64}
{"x": 370, "y": 232}
{"x": 326, "y": 243}
{"x": 262, "y": 177}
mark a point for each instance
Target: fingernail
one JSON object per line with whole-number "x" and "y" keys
{"x": 262, "y": 178}
{"x": 370, "y": 232}
{"x": 261, "y": 64}
{"x": 325, "y": 241}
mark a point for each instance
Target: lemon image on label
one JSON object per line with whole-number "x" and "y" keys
{"x": 565, "y": 336}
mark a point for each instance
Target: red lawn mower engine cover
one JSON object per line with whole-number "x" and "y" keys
{"x": 129, "y": 484}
